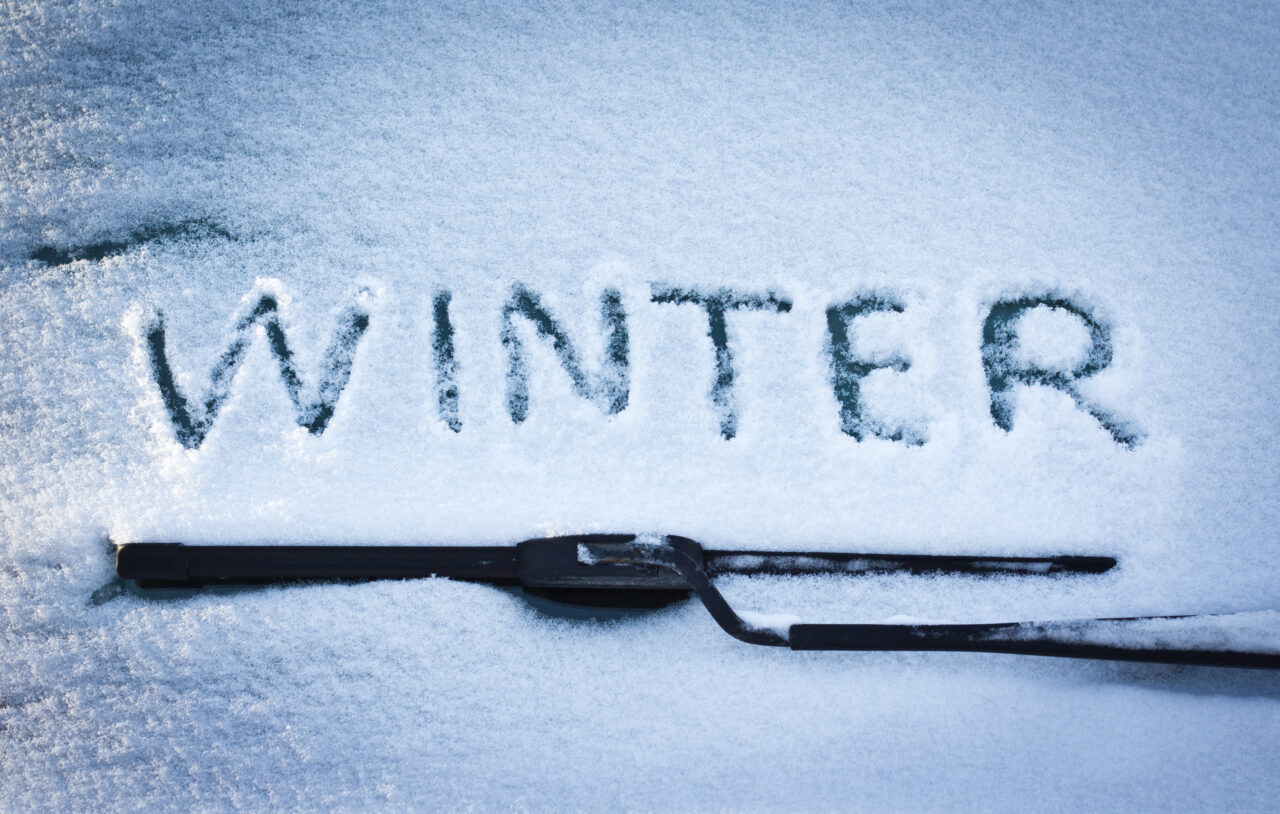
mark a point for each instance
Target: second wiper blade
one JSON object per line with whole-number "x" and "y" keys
{"x": 794, "y": 563}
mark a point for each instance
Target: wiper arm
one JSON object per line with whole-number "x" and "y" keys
{"x": 1068, "y": 639}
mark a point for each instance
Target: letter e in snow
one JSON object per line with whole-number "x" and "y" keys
{"x": 848, "y": 370}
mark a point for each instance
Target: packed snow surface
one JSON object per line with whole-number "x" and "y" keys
{"x": 921, "y": 278}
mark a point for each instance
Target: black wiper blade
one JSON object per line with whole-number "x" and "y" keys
{"x": 176, "y": 563}
{"x": 543, "y": 562}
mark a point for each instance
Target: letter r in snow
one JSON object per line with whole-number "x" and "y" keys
{"x": 1004, "y": 369}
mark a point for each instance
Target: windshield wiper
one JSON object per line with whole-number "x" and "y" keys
{"x": 604, "y": 568}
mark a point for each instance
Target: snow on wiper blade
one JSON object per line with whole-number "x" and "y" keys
{"x": 788, "y": 563}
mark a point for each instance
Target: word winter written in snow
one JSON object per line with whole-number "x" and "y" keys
{"x": 609, "y": 386}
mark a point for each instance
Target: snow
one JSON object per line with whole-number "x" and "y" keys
{"x": 777, "y": 622}
{"x": 1052, "y": 339}
{"x": 188, "y": 160}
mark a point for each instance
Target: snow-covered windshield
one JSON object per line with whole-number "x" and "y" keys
{"x": 810, "y": 277}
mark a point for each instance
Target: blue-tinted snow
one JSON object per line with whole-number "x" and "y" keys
{"x": 1121, "y": 156}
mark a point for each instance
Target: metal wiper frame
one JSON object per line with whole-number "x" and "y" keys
{"x": 610, "y": 568}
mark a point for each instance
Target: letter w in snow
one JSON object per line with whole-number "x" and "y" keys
{"x": 193, "y": 421}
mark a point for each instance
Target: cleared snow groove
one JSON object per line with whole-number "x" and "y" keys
{"x": 717, "y": 304}
{"x": 610, "y": 389}
{"x": 1004, "y": 369}
{"x": 848, "y": 371}
{"x": 193, "y": 421}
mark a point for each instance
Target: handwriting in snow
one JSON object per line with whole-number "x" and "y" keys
{"x": 609, "y": 386}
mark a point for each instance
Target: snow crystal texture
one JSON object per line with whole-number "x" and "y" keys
{"x": 926, "y": 278}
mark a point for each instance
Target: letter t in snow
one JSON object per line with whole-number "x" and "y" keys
{"x": 717, "y": 304}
